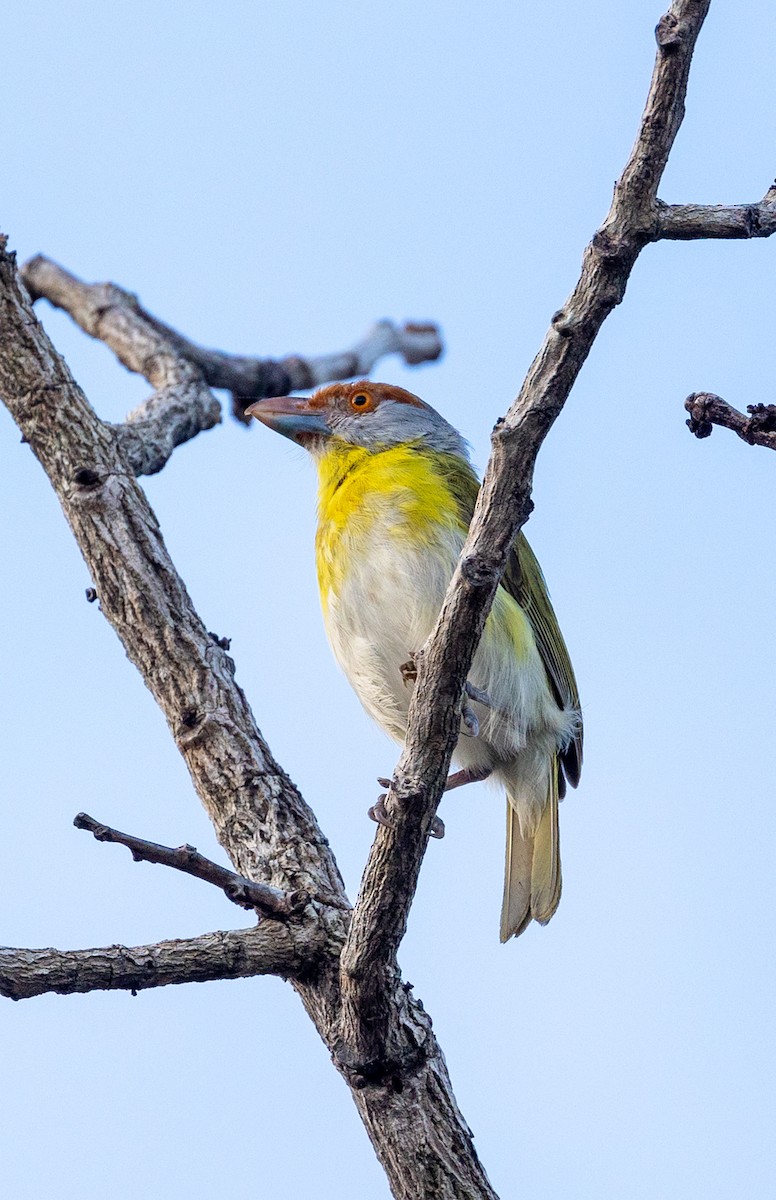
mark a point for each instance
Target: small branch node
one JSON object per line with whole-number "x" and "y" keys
{"x": 224, "y": 642}
{"x": 562, "y": 323}
{"x": 477, "y": 571}
{"x": 668, "y": 32}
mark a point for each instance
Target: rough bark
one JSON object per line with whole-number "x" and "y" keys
{"x": 272, "y": 948}
{"x": 182, "y": 373}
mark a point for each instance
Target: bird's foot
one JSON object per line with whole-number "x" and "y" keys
{"x": 471, "y": 726}
{"x": 379, "y": 813}
{"x": 409, "y": 671}
{"x": 468, "y": 716}
{"x": 437, "y": 829}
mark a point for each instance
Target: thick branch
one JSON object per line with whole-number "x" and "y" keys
{"x": 707, "y": 410}
{"x": 271, "y": 948}
{"x": 238, "y": 889}
{"x": 380, "y": 916}
{"x": 683, "y": 222}
{"x": 270, "y": 834}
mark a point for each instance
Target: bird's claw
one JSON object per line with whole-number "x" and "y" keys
{"x": 471, "y": 724}
{"x": 379, "y": 813}
{"x": 468, "y": 716}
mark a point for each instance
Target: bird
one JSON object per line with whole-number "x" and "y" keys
{"x": 396, "y": 494}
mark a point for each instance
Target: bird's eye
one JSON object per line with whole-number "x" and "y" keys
{"x": 360, "y": 400}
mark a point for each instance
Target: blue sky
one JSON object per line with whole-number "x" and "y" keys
{"x": 271, "y": 178}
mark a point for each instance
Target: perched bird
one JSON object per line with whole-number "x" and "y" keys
{"x": 396, "y": 495}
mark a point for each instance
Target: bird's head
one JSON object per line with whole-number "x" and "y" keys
{"x": 371, "y": 415}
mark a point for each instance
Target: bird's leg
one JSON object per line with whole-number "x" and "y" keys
{"x": 467, "y": 775}
{"x": 475, "y": 693}
{"x": 409, "y": 673}
{"x": 468, "y": 716}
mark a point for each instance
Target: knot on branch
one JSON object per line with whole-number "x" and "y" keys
{"x": 669, "y": 33}
{"x": 85, "y": 477}
{"x": 478, "y": 571}
{"x": 415, "y": 354}
{"x": 697, "y": 405}
{"x": 382, "y": 1070}
{"x": 562, "y": 323}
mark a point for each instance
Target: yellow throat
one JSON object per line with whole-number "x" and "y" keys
{"x": 404, "y": 489}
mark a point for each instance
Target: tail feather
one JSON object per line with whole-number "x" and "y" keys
{"x": 532, "y": 878}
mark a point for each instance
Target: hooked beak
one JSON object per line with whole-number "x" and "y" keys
{"x": 292, "y": 416}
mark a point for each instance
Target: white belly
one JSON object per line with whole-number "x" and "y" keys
{"x": 382, "y": 615}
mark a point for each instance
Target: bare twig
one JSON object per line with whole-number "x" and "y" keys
{"x": 368, "y": 960}
{"x": 707, "y": 410}
{"x": 245, "y": 892}
{"x": 183, "y": 373}
{"x": 683, "y": 222}
{"x": 272, "y": 948}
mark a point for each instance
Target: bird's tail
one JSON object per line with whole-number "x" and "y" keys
{"x": 532, "y": 879}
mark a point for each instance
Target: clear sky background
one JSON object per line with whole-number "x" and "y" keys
{"x": 271, "y": 178}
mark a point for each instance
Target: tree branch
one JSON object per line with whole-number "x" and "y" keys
{"x": 244, "y": 892}
{"x": 368, "y": 961}
{"x": 683, "y": 222}
{"x": 406, "y": 1103}
{"x": 183, "y": 373}
{"x": 707, "y": 410}
{"x": 271, "y": 948}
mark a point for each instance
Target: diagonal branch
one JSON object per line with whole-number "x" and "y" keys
{"x": 707, "y": 410}
{"x": 182, "y": 373}
{"x": 380, "y": 917}
{"x": 272, "y": 948}
{"x": 245, "y": 892}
